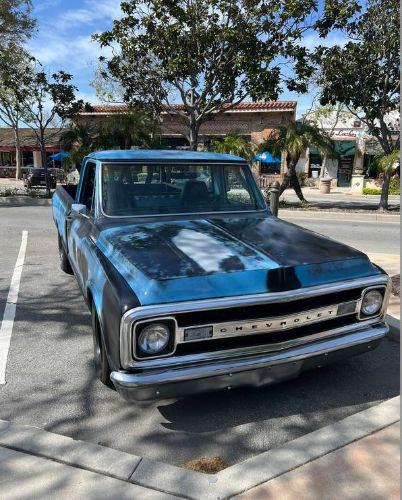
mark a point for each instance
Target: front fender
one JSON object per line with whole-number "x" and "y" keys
{"x": 112, "y": 297}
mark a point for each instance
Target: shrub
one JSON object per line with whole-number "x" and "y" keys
{"x": 302, "y": 176}
{"x": 371, "y": 191}
{"x": 395, "y": 186}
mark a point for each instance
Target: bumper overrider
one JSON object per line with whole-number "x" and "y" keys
{"x": 252, "y": 366}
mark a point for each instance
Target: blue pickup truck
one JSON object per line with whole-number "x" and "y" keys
{"x": 193, "y": 285}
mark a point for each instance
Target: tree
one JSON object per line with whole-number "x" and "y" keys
{"x": 293, "y": 140}
{"x": 132, "y": 129}
{"x": 235, "y": 144}
{"x": 364, "y": 75}
{"x": 51, "y": 102}
{"x": 79, "y": 140}
{"x": 125, "y": 130}
{"x": 16, "y": 26}
{"x": 212, "y": 54}
{"x": 16, "y": 23}
{"x": 388, "y": 164}
{"x": 13, "y": 92}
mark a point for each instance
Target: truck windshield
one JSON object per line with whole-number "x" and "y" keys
{"x": 137, "y": 189}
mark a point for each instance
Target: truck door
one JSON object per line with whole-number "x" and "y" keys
{"x": 81, "y": 226}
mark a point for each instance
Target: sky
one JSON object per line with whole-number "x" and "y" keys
{"x": 63, "y": 41}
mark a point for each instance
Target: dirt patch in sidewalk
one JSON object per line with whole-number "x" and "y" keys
{"x": 206, "y": 465}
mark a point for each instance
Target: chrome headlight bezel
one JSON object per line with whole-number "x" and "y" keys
{"x": 382, "y": 290}
{"x": 139, "y": 327}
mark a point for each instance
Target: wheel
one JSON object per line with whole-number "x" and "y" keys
{"x": 101, "y": 363}
{"x": 64, "y": 263}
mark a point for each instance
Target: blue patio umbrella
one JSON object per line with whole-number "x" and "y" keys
{"x": 60, "y": 156}
{"x": 266, "y": 157}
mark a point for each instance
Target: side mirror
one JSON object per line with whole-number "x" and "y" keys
{"x": 79, "y": 208}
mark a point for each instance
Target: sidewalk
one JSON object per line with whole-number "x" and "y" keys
{"x": 339, "y": 199}
{"x": 28, "y": 476}
{"x": 366, "y": 469}
{"x": 357, "y": 457}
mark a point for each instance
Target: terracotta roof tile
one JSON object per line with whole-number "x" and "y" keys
{"x": 28, "y": 137}
{"x": 243, "y": 106}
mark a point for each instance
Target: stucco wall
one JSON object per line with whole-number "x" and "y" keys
{"x": 258, "y": 126}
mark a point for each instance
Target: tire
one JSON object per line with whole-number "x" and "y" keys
{"x": 101, "y": 363}
{"x": 64, "y": 263}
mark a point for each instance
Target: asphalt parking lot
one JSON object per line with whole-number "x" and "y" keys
{"x": 51, "y": 385}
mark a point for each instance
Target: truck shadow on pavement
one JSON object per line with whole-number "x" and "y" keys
{"x": 51, "y": 384}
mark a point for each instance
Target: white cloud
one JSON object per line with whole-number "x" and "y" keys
{"x": 54, "y": 49}
{"x": 89, "y": 14}
{"x": 311, "y": 40}
{"x": 45, "y": 5}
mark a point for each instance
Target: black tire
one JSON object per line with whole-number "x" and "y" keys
{"x": 101, "y": 364}
{"x": 64, "y": 263}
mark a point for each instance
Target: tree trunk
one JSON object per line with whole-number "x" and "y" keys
{"x": 193, "y": 135}
{"x": 384, "y": 191}
{"x": 387, "y": 148}
{"x": 290, "y": 179}
{"x": 44, "y": 163}
{"x": 18, "y": 166}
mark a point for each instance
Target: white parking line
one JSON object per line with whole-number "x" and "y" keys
{"x": 9, "y": 312}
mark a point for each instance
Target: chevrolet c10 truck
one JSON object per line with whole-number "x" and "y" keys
{"x": 193, "y": 285}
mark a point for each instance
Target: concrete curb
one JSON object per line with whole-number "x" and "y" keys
{"x": 341, "y": 215}
{"x": 24, "y": 201}
{"x": 194, "y": 485}
{"x": 394, "y": 327}
{"x": 68, "y": 451}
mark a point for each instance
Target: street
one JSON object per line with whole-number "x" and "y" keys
{"x": 368, "y": 236}
{"x": 51, "y": 384}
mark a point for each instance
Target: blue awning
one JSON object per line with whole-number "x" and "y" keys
{"x": 59, "y": 156}
{"x": 266, "y": 157}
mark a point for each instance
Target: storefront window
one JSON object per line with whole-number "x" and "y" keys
{"x": 314, "y": 166}
{"x": 270, "y": 168}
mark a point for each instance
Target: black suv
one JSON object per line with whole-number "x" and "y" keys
{"x": 36, "y": 178}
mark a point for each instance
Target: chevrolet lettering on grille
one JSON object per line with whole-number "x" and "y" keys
{"x": 229, "y": 329}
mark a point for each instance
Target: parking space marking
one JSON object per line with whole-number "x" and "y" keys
{"x": 7, "y": 323}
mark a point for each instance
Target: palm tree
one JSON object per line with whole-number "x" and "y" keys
{"x": 234, "y": 144}
{"x": 387, "y": 163}
{"x": 125, "y": 131}
{"x": 131, "y": 129}
{"x": 80, "y": 140}
{"x": 293, "y": 140}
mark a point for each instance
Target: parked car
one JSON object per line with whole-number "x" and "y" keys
{"x": 35, "y": 177}
{"x": 193, "y": 285}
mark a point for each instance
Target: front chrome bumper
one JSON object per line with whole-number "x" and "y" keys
{"x": 256, "y": 370}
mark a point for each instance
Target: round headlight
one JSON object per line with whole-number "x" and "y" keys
{"x": 153, "y": 338}
{"x": 372, "y": 302}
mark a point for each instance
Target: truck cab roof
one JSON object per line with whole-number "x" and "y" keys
{"x": 164, "y": 155}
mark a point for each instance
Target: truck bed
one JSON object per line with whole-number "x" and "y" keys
{"x": 63, "y": 198}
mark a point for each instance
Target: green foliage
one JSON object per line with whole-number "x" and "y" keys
{"x": 296, "y": 138}
{"x": 302, "y": 176}
{"x": 388, "y": 162}
{"x": 234, "y": 144}
{"x": 395, "y": 185}
{"x": 364, "y": 74}
{"x": 56, "y": 91}
{"x": 371, "y": 191}
{"x": 16, "y": 23}
{"x": 132, "y": 129}
{"x": 212, "y": 54}
{"x": 124, "y": 131}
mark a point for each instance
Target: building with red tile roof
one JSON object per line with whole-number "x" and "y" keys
{"x": 254, "y": 120}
